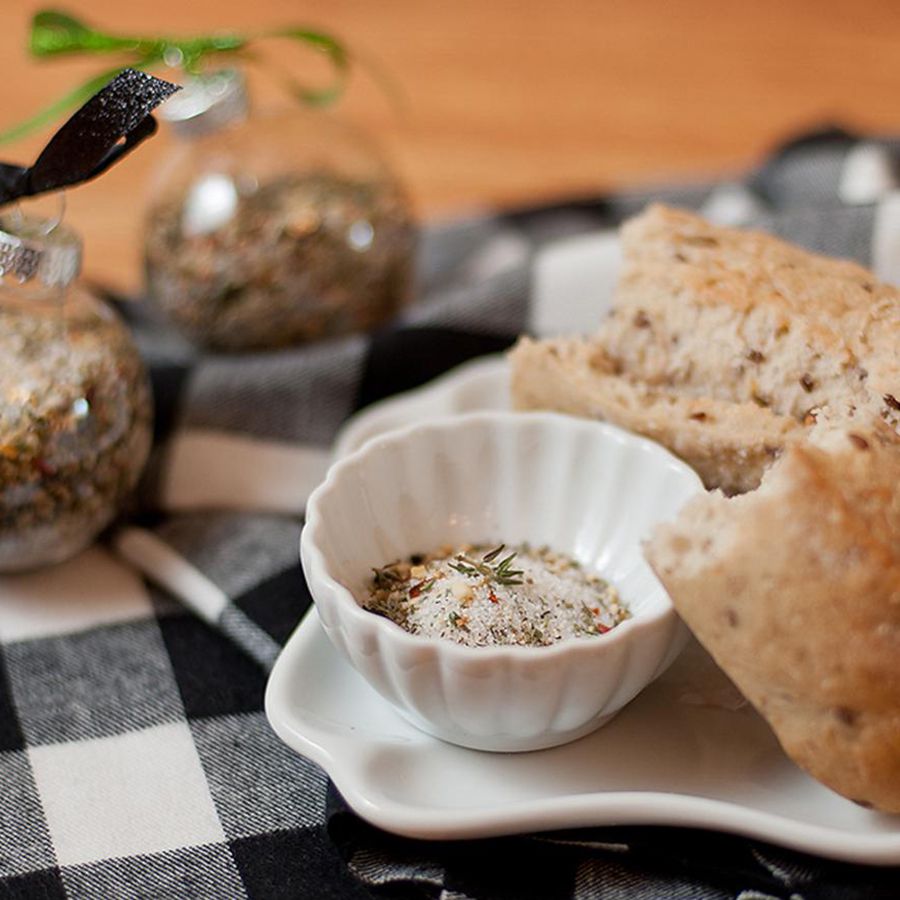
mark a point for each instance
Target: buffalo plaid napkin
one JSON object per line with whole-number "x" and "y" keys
{"x": 135, "y": 758}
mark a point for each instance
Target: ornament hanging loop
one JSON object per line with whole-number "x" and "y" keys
{"x": 45, "y": 213}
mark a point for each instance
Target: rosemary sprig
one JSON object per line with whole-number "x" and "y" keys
{"x": 466, "y": 567}
{"x": 490, "y": 557}
{"x": 505, "y": 574}
{"x": 501, "y": 573}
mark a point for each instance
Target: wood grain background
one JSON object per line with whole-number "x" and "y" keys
{"x": 517, "y": 101}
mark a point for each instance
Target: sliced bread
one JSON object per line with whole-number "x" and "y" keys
{"x": 728, "y": 444}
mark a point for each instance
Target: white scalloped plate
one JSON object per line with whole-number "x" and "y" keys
{"x": 679, "y": 754}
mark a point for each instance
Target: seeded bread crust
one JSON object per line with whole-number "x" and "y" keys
{"x": 757, "y": 331}
{"x": 794, "y": 590}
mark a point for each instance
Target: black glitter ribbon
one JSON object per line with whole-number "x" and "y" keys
{"x": 110, "y": 125}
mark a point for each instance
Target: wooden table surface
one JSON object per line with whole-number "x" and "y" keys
{"x": 516, "y": 100}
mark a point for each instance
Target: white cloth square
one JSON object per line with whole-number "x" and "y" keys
{"x": 886, "y": 240}
{"x": 142, "y": 792}
{"x": 574, "y": 281}
{"x": 218, "y": 470}
{"x": 92, "y": 589}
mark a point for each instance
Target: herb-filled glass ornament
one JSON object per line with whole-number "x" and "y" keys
{"x": 269, "y": 231}
{"x": 75, "y": 410}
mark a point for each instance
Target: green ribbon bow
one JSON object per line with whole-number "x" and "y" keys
{"x": 55, "y": 33}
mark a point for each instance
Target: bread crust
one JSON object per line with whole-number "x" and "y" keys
{"x": 795, "y": 592}
{"x": 743, "y": 316}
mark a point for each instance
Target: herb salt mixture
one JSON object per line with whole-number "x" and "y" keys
{"x": 302, "y": 256}
{"x": 481, "y": 597}
{"x": 75, "y": 425}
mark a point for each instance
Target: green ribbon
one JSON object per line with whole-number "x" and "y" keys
{"x": 55, "y": 33}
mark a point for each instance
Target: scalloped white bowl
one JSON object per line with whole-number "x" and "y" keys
{"x": 584, "y": 488}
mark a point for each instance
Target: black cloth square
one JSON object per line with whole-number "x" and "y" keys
{"x": 45, "y": 884}
{"x": 301, "y": 864}
{"x": 11, "y": 737}
{"x": 213, "y": 676}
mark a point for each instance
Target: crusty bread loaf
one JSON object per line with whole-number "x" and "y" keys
{"x": 763, "y": 333}
{"x": 794, "y": 589}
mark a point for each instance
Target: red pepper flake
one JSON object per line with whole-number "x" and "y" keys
{"x": 602, "y": 629}
{"x": 43, "y": 466}
{"x": 493, "y": 597}
{"x": 421, "y": 588}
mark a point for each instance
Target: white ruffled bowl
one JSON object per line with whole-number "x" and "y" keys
{"x": 583, "y": 488}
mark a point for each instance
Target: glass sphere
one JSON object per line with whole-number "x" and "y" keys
{"x": 75, "y": 411}
{"x": 274, "y": 230}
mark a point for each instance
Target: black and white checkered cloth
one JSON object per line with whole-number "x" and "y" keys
{"x": 135, "y": 759}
